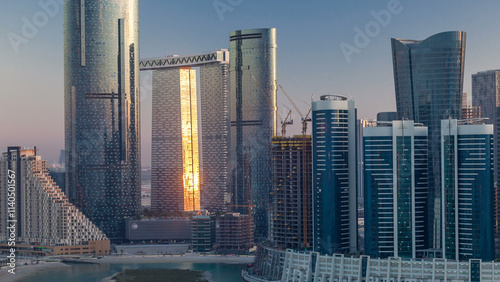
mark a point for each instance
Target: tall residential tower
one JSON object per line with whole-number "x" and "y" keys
{"x": 334, "y": 175}
{"x": 252, "y": 77}
{"x": 428, "y": 77}
{"x": 467, "y": 187}
{"x": 395, "y": 183}
{"x": 101, "y": 86}
{"x": 486, "y": 98}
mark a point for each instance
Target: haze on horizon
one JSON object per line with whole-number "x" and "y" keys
{"x": 310, "y": 57}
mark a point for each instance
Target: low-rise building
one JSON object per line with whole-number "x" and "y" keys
{"x": 234, "y": 233}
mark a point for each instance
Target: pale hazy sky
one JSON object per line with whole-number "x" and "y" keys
{"x": 310, "y": 58}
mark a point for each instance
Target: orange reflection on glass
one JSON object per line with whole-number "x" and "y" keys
{"x": 190, "y": 152}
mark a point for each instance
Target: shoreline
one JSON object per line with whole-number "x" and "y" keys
{"x": 23, "y": 271}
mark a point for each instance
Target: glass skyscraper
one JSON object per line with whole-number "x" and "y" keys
{"x": 395, "y": 183}
{"x": 176, "y": 155}
{"x": 252, "y": 80}
{"x": 101, "y": 54}
{"x": 175, "y": 159}
{"x": 334, "y": 175}
{"x": 428, "y": 78}
{"x": 467, "y": 187}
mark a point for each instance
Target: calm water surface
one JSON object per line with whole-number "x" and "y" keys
{"x": 96, "y": 272}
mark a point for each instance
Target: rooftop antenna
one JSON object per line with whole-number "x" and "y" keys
{"x": 350, "y": 96}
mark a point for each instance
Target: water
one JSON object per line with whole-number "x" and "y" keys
{"x": 96, "y": 272}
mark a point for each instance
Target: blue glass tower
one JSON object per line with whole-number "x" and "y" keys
{"x": 395, "y": 183}
{"x": 334, "y": 175}
{"x": 467, "y": 187}
{"x": 428, "y": 78}
{"x": 102, "y": 112}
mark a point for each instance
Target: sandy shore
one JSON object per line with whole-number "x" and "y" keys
{"x": 25, "y": 270}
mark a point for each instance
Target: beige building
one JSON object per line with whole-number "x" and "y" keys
{"x": 43, "y": 215}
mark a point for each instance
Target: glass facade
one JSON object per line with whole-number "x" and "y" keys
{"x": 395, "y": 174}
{"x": 467, "y": 154}
{"x": 428, "y": 78}
{"x": 252, "y": 77}
{"x": 102, "y": 131}
{"x": 214, "y": 115}
{"x": 486, "y": 96}
{"x": 175, "y": 165}
{"x": 334, "y": 175}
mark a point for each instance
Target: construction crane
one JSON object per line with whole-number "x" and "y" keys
{"x": 305, "y": 120}
{"x": 286, "y": 122}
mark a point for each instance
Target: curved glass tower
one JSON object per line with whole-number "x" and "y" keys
{"x": 252, "y": 105}
{"x": 101, "y": 76}
{"x": 428, "y": 77}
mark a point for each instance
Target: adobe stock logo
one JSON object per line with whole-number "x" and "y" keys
{"x": 223, "y": 6}
{"x": 31, "y": 26}
{"x": 362, "y": 38}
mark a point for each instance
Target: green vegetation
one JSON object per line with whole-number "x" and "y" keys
{"x": 152, "y": 275}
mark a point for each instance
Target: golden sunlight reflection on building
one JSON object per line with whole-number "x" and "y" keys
{"x": 190, "y": 152}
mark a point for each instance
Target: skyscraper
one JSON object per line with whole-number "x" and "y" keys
{"x": 169, "y": 101}
{"x": 214, "y": 112}
{"x": 486, "y": 98}
{"x": 102, "y": 110}
{"x": 334, "y": 171}
{"x": 252, "y": 77}
{"x": 467, "y": 187}
{"x": 395, "y": 158}
{"x": 428, "y": 78}
{"x": 175, "y": 169}
{"x": 291, "y": 225}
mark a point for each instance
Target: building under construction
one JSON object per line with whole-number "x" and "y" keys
{"x": 291, "y": 225}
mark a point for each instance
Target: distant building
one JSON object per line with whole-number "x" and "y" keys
{"x": 486, "y": 97}
{"x": 234, "y": 233}
{"x": 202, "y": 232}
{"x": 59, "y": 176}
{"x": 175, "y": 158}
{"x": 387, "y": 116}
{"x": 334, "y": 171}
{"x": 395, "y": 174}
{"x": 213, "y": 154}
{"x": 252, "y": 97}
{"x": 158, "y": 230}
{"x": 467, "y": 188}
{"x": 291, "y": 225}
{"x": 45, "y": 217}
{"x": 468, "y": 111}
{"x": 62, "y": 157}
{"x": 428, "y": 79}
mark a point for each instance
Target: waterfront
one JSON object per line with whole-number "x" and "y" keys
{"x": 97, "y": 272}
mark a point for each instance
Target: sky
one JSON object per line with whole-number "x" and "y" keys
{"x": 324, "y": 47}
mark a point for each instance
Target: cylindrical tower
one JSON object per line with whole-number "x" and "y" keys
{"x": 101, "y": 51}
{"x": 252, "y": 106}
